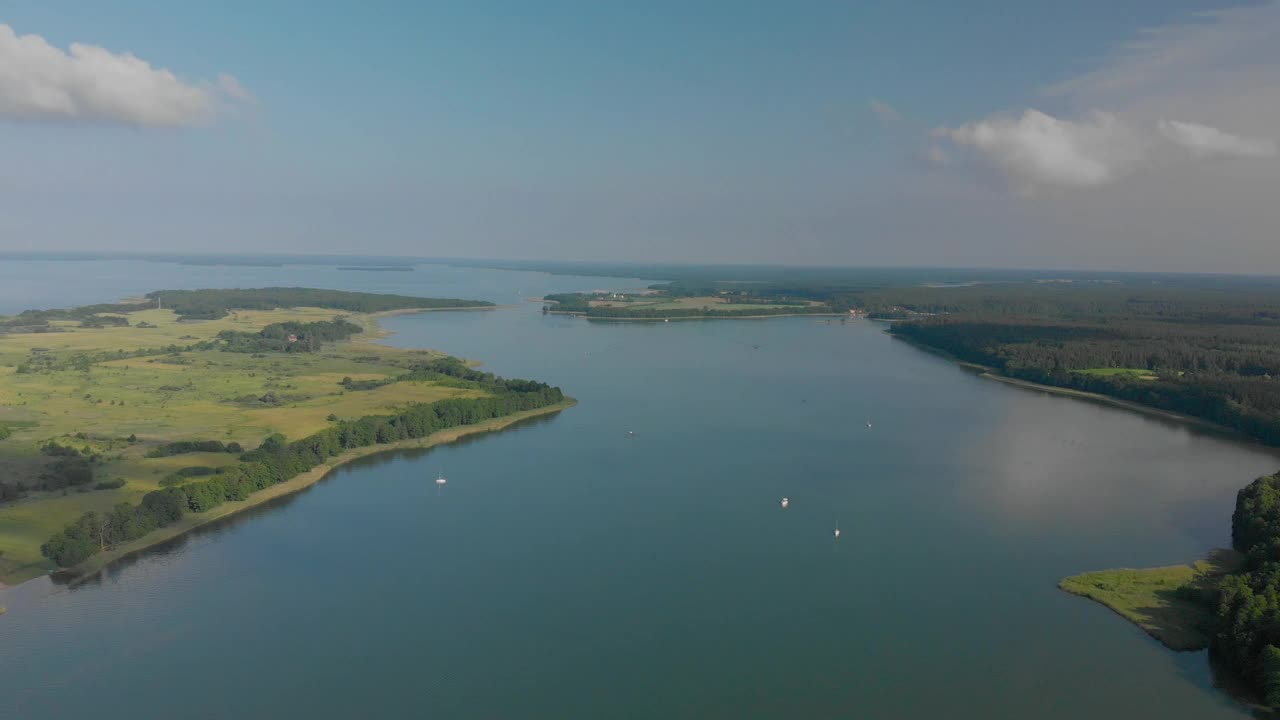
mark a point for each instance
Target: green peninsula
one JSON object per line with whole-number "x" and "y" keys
{"x": 674, "y": 304}
{"x": 124, "y": 423}
{"x": 1173, "y": 604}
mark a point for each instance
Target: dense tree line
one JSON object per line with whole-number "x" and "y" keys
{"x": 38, "y": 320}
{"x": 67, "y": 472}
{"x": 277, "y": 460}
{"x": 1227, "y": 374}
{"x": 182, "y": 475}
{"x": 12, "y": 491}
{"x": 363, "y": 385}
{"x": 1248, "y": 606}
{"x": 289, "y": 336}
{"x": 102, "y": 321}
{"x": 213, "y": 304}
{"x": 182, "y": 447}
{"x": 82, "y": 361}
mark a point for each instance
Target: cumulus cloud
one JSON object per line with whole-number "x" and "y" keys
{"x": 89, "y": 83}
{"x": 1175, "y": 98}
{"x": 1205, "y": 140}
{"x": 1036, "y": 149}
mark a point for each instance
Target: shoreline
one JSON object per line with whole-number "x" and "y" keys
{"x": 693, "y": 317}
{"x": 96, "y": 564}
{"x": 1122, "y": 404}
{"x": 1149, "y": 598}
{"x": 990, "y": 373}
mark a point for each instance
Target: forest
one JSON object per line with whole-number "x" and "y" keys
{"x": 1222, "y": 371}
{"x": 289, "y": 336}
{"x": 1247, "y": 636}
{"x": 277, "y": 460}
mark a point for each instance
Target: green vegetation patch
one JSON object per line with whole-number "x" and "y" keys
{"x": 1138, "y": 373}
{"x": 100, "y": 414}
{"x": 1173, "y": 604}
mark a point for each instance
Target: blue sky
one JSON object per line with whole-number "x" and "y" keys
{"x": 741, "y": 131}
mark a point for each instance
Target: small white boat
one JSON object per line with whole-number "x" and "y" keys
{"x": 666, "y": 319}
{"x": 786, "y": 502}
{"x": 837, "y": 533}
{"x": 868, "y": 423}
{"x": 440, "y": 481}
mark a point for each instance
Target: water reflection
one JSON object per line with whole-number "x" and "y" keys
{"x": 1058, "y": 461}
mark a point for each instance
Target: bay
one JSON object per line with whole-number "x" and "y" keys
{"x": 629, "y": 557}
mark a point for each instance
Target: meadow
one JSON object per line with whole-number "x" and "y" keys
{"x": 163, "y": 388}
{"x": 1173, "y": 604}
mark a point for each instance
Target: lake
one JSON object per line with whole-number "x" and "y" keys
{"x": 629, "y": 558}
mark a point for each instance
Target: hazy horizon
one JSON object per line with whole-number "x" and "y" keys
{"x": 1002, "y": 135}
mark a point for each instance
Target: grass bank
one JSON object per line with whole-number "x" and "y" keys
{"x": 1168, "y": 603}
{"x": 191, "y": 521}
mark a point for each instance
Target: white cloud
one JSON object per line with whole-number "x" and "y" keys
{"x": 1205, "y": 140}
{"x": 884, "y": 111}
{"x": 1172, "y": 99}
{"x": 1037, "y": 149}
{"x": 92, "y": 84}
{"x": 232, "y": 87}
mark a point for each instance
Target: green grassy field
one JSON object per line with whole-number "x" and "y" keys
{"x": 1139, "y": 373}
{"x": 1166, "y": 602}
{"x": 189, "y": 395}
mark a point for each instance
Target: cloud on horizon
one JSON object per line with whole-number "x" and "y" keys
{"x": 91, "y": 84}
{"x": 1036, "y": 149}
{"x": 1173, "y": 100}
{"x": 1205, "y": 140}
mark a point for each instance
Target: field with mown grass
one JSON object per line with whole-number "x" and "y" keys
{"x": 1138, "y": 373}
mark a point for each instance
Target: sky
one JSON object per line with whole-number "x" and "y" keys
{"x": 1120, "y": 135}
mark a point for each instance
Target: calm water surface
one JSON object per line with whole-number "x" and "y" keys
{"x": 570, "y": 570}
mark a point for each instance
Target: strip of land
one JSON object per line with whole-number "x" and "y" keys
{"x": 189, "y": 522}
{"x": 656, "y": 304}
